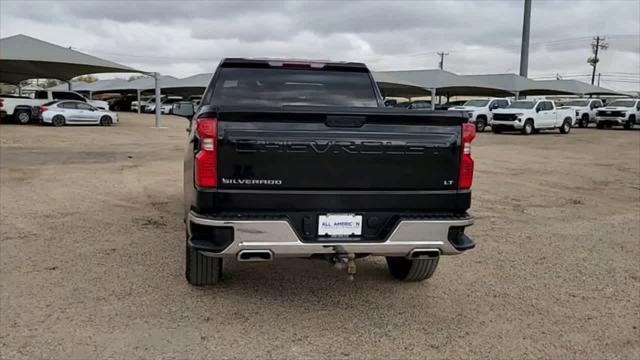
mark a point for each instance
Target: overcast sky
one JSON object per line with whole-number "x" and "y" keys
{"x": 184, "y": 38}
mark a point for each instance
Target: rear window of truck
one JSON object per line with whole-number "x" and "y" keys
{"x": 278, "y": 87}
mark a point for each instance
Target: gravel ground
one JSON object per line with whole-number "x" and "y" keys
{"x": 92, "y": 256}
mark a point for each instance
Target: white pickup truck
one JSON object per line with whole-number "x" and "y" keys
{"x": 481, "y": 110}
{"x": 585, "y": 110}
{"x": 620, "y": 112}
{"x": 23, "y": 109}
{"x": 529, "y": 116}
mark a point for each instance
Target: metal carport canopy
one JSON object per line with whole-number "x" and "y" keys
{"x": 574, "y": 86}
{"x": 141, "y": 84}
{"x": 405, "y": 82}
{"x": 96, "y": 86}
{"x": 192, "y": 85}
{"x": 23, "y": 57}
{"x": 518, "y": 85}
{"x": 194, "y": 81}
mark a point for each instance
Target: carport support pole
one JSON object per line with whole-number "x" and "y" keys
{"x": 524, "y": 46}
{"x": 156, "y": 76}
{"x": 139, "y": 102}
{"x": 433, "y": 98}
{"x": 517, "y": 95}
{"x": 69, "y": 85}
{"x": 19, "y": 90}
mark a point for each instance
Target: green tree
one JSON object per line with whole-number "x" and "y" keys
{"x": 85, "y": 78}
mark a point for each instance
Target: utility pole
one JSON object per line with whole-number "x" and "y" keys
{"x": 598, "y": 79}
{"x": 597, "y": 44}
{"x": 524, "y": 47}
{"x": 442, "y": 55}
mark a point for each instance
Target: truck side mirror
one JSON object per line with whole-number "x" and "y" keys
{"x": 538, "y": 109}
{"x": 184, "y": 109}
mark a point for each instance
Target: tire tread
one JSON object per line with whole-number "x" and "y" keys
{"x": 412, "y": 270}
{"x": 202, "y": 270}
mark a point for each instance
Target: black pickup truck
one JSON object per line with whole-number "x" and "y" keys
{"x": 293, "y": 159}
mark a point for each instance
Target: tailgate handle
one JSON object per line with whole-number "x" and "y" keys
{"x": 344, "y": 121}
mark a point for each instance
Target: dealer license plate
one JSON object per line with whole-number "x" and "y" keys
{"x": 339, "y": 225}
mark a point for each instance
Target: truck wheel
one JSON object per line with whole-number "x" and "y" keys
{"x": 629, "y": 124}
{"x": 481, "y": 123}
{"x": 600, "y": 125}
{"x": 566, "y": 127}
{"x": 106, "y": 120}
{"x": 23, "y": 116}
{"x": 411, "y": 270}
{"x": 58, "y": 120}
{"x": 201, "y": 270}
{"x": 527, "y": 129}
{"x": 584, "y": 121}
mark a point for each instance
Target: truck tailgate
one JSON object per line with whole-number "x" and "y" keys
{"x": 315, "y": 149}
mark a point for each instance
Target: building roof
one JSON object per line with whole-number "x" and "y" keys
{"x": 23, "y": 57}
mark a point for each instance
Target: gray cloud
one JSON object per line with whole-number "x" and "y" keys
{"x": 181, "y": 37}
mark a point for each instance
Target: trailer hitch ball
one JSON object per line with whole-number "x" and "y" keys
{"x": 346, "y": 261}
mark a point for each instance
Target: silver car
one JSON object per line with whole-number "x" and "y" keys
{"x": 65, "y": 112}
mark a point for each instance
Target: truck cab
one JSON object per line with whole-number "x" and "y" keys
{"x": 529, "y": 116}
{"x": 480, "y": 111}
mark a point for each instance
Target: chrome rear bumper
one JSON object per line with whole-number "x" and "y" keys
{"x": 278, "y": 237}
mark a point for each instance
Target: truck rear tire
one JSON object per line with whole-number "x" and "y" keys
{"x": 565, "y": 128}
{"x": 584, "y": 121}
{"x": 22, "y": 116}
{"x": 201, "y": 270}
{"x": 411, "y": 270}
{"x": 481, "y": 124}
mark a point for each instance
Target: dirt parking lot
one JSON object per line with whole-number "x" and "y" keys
{"x": 92, "y": 253}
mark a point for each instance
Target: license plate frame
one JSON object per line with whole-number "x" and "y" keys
{"x": 339, "y": 225}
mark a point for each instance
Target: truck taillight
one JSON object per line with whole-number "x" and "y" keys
{"x": 43, "y": 109}
{"x": 1, "y": 104}
{"x": 466, "y": 162}
{"x": 205, "y": 165}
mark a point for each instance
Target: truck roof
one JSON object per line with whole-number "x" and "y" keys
{"x": 294, "y": 63}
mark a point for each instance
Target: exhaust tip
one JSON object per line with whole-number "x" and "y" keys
{"x": 255, "y": 255}
{"x": 424, "y": 254}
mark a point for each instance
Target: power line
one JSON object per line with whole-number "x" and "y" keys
{"x": 550, "y": 42}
